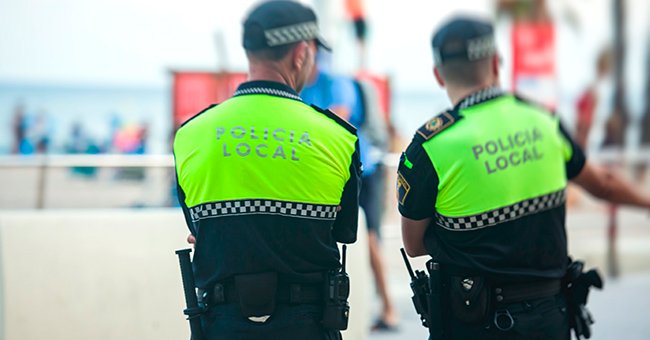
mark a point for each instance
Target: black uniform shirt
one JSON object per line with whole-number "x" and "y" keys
{"x": 299, "y": 248}
{"x": 533, "y": 246}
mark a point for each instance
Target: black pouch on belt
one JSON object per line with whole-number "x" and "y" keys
{"x": 469, "y": 298}
{"x": 256, "y": 293}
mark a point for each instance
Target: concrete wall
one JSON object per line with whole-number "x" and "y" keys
{"x": 109, "y": 274}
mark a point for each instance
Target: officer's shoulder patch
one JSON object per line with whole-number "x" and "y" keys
{"x": 198, "y": 114}
{"x": 437, "y": 124}
{"x": 403, "y": 188}
{"x": 336, "y": 118}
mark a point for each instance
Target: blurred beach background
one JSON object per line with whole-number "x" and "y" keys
{"x": 107, "y": 66}
{"x": 88, "y": 222}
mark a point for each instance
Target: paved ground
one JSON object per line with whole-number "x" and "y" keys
{"x": 619, "y": 309}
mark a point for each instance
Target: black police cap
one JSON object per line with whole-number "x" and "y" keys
{"x": 463, "y": 38}
{"x": 280, "y": 22}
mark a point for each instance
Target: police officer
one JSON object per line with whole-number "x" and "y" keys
{"x": 268, "y": 186}
{"x": 481, "y": 189}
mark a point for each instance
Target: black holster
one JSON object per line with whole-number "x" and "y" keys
{"x": 436, "y": 292}
{"x": 576, "y": 285}
{"x": 470, "y": 299}
{"x": 256, "y": 293}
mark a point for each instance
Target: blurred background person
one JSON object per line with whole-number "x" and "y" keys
{"x": 19, "y": 128}
{"x": 41, "y": 132}
{"x": 31, "y": 132}
{"x": 357, "y": 16}
{"x": 595, "y": 103}
{"x": 357, "y": 102}
{"x": 81, "y": 143}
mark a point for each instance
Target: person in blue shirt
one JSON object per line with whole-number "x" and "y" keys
{"x": 344, "y": 96}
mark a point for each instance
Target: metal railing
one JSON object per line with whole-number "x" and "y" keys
{"x": 629, "y": 157}
{"x": 42, "y": 164}
{"x": 66, "y": 161}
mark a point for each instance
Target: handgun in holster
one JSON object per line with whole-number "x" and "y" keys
{"x": 427, "y": 296}
{"x": 436, "y": 323}
{"x": 336, "y": 309}
{"x": 577, "y": 284}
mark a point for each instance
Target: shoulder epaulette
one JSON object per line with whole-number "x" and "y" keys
{"x": 198, "y": 114}
{"x": 344, "y": 123}
{"x": 437, "y": 124}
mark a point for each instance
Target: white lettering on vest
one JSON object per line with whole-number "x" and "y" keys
{"x": 281, "y": 140}
{"x": 509, "y": 151}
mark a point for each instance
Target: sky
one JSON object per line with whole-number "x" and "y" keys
{"x": 137, "y": 42}
{"x": 118, "y": 42}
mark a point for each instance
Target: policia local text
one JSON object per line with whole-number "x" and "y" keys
{"x": 513, "y": 150}
{"x": 257, "y": 138}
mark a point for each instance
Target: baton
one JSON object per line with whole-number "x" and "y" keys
{"x": 193, "y": 311}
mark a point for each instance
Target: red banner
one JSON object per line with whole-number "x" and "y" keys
{"x": 194, "y": 91}
{"x": 533, "y": 61}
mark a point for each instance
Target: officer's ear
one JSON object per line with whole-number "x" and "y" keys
{"x": 299, "y": 55}
{"x": 495, "y": 63}
{"x": 439, "y": 79}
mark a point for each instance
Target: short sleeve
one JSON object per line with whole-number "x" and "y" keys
{"x": 417, "y": 183}
{"x": 573, "y": 155}
{"x": 346, "y": 223}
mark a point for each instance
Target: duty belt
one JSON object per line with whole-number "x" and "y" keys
{"x": 510, "y": 293}
{"x": 288, "y": 293}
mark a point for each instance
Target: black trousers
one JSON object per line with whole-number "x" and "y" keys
{"x": 541, "y": 319}
{"x": 287, "y": 322}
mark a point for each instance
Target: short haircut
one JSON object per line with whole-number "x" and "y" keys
{"x": 465, "y": 73}
{"x": 272, "y": 53}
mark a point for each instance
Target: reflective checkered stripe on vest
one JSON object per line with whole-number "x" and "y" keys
{"x": 256, "y": 154}
{"x": 490, "y": 172}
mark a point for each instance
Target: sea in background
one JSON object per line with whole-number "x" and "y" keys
{"x": 98, "y": 110}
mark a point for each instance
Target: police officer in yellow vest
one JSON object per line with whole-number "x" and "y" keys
{"x": 481, "y": 189}
{"x": 268, "y": 186}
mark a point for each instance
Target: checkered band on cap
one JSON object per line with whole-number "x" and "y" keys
{"x": 290, "y": 34}
{"x": 505, "y": 214}
{"x": 480, "y": 48}
{"x": 263, "y": 207}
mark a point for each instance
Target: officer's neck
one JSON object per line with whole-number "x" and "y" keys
{"x": 458, "y": 93}
{"x": 269, "y": 73}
